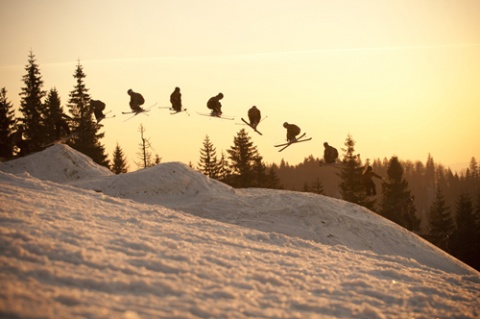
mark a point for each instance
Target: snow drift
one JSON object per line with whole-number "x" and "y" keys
{"x": 58, "y": 163}
{"x": 169, "y": 242}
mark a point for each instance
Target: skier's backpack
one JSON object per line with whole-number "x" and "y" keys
{"x": 140, "y": 99}
{"x": 100, "y": 105}
{"x": 334, "y": 153}
{"x": 211, "y": 103}
{"x": 295, "y": 130}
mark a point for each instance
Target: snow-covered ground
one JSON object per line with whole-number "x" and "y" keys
{"x": 77, "y": 241}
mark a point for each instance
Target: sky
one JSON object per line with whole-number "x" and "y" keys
{"x": 168, "y": 242}
{"x": 401, "y": 77}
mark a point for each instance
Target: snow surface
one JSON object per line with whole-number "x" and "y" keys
{"x": 167, "y": 242}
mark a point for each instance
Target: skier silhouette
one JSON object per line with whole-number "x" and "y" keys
{"x": 176, "y": 100}
{"x": 215, "y": 105}
{"x": 330, "y": 154}
{"x": 98, "y": 107}
{"x": 292, "y": 131}
{"x": 136, "y": 99}
{"x": 60, "y": 123}
{"x": 254, "y": 116}
{"x": 367, "y": 181}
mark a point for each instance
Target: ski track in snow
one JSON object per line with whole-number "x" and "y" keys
{"x": 77, "y": 241}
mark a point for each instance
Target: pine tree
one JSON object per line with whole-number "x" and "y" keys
{"x": 52, "y": 108}
{"x": 476, "y": 248}
{"x": 306, "y": 188}
{"x": 259, "y": 170}
{"x": 242, "y": 157}
{"x": 272, "y": 179}
{"x": 464, "y": 241}
{"x": 6, "y": 126}
{"x": 223, "y": 169}
{"x": 477, "y": 215}
{"x": 208, "y": 163}
{"x": 397, "y": 201}
{"x": 351, "y": 187}
{"x": 441, "y": 221}
{"x": 317, "y": 187}
{"x": 473, "y": 180}
{"x": 119, "y": 165}
{"x": 87, "y": 140}
{"x": 32, "y": 108}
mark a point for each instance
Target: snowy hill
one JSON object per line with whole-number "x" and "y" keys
{"x": 58, "y": 163}
{"x": 168, "y": 242}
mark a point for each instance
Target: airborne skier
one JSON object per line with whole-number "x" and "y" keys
{"x": 176, "y": 100}
{"x": 98, "y": 107}
{"x": 60, "y": 124}
{"x": 254, "y": 116}
{"x": 330, "y": 154}
{"x": 136, "y": 99}
{"x": 215, "y": 105}
{"x": 292, "y": 132}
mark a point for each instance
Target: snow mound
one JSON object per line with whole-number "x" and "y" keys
{"x": 59, "y": 163}
{"x": 158, "y": 184}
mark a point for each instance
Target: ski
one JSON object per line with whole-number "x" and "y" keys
{"x": 217, "y": 116}
{"x": 176, "y": 112}
{"x": 283, "y": 144}
{"x": 138, "y": 112}
{"x": 147, "y": 109}
{"x": 106, "y": 117}
{"x": 251, "y": 126}
{"x": 135, "y": 114}
{"x": 298, "y": 140}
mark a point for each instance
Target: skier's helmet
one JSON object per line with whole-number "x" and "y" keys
{"x": 129, "y": 91}
{"x": 285, "y": 124}
{"x": 220, "y": 95}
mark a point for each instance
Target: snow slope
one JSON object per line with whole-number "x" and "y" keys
{"x": 167, "y": 242}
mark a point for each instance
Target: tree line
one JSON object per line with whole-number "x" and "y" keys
{"x": 36, "y": 126}
{"x": 429, "y": 199}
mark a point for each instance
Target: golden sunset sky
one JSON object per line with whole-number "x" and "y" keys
{"x": 402, "y": 77}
